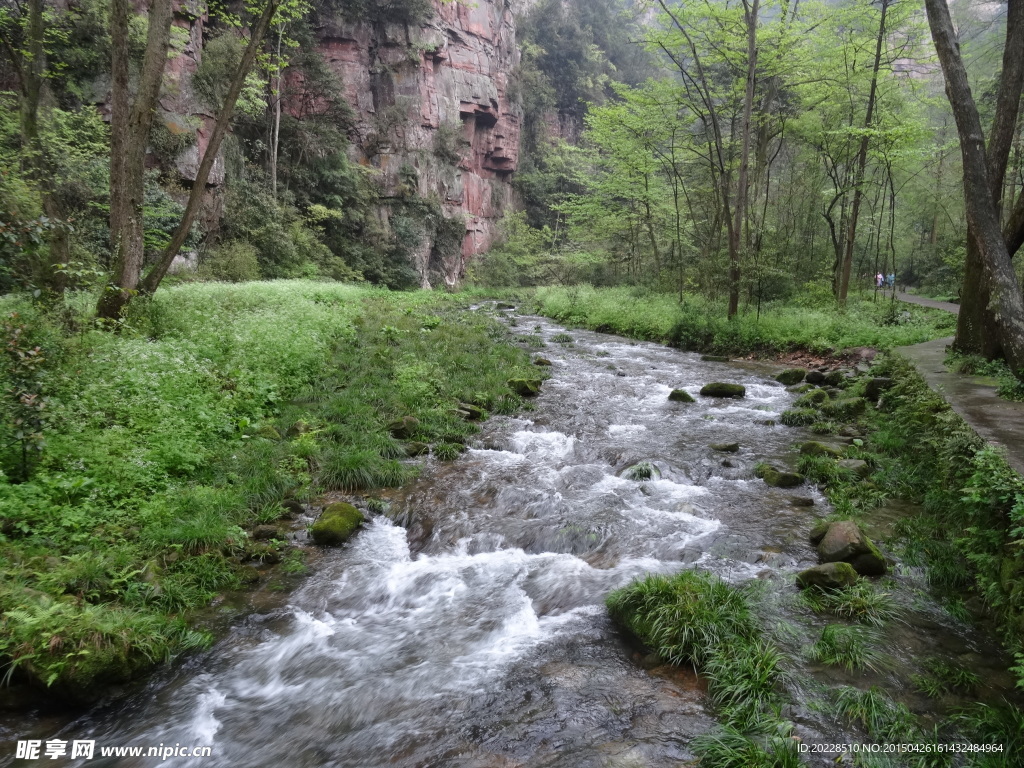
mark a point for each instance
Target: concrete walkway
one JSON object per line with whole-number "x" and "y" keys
{"x": 997, "y": 421}
{"x": 910, "y": 298}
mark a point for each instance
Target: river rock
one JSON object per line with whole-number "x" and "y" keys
{"x": 791, "y": 376}
{"x": 800, "y": 389}
{"x": 336, "y": 524}
{"x": 858, "y": 466}
{"x": 473, "y": 412}
{"x": 845, "y": 409}
{"x": 815, "y": 448}
{"x": 834, "y": 378}
{"x": 818, "y": 532}
{"x": 814, "y": 377}
{"x": 725, "y": 447}
{"x": 876, "y": 387}
{"x": 778, "y": 478}
{"x": 827, "y": 576}
{"x": 681, "y": 396}
{"x": 813, "y": 399}
{"x": 543, "y": 361}
{"x": 416, "y": 448}
{"x": 801, "y": 501}
{"x": 404, "y": 428}
{"x": 525, "y": 387}
{"x": 264, "y": 532}
{"x": 723, "y": 389}
{"x": 844, "y": 541}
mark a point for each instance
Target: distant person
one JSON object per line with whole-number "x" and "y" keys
{"x": 891, "y": 280}
{"x": 879, "y": 280}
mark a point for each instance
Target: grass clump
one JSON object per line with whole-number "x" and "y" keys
{"x": 940, "y": 677}
{"x": 846, "y": 646}
{"x": 696, "y": 618}
{"x": 880, "y": 717}
{"x": 862, "y": 602}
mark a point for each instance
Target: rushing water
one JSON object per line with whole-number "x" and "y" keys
{"x": 474, "y": 633}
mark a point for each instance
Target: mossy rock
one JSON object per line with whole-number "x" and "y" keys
{"x": 267, "y": 432}
{"x": 814, "y": 448}
{"x": 404, "y": 428}
{"x": 845, "y": 409}
{"x": 813, "y": 399}
{"x": 473, "y": 412}
{"x": 791, "y": 376}
{"x": 525, "y": 387}
{"x": 542, "y": 361}
{"x": 858, "y": 466}
{"x": 801, "y": 389}
{"x": 818, "y": 532}
{"x": 800, "y": 417}
{"x": 834, "y": 378}
{"x": 725, "y": 447}
{"x": 680, "y": 396}
{"x": 336, "y": 524}
{"x": 815, "y": 377}
{"x": 844, "y": 541}
{"x": 870, "y": 563}
{"x": 778, "y": 478}
{"x": 827, "y": 576}
{"x": 801, "y": 501}
{"x": 723, "y": 389}
{"x": 876, "y": 386}
{"x": 416, "y": 448}
{"x": 715, "y": 358}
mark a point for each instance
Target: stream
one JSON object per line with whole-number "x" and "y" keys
{"x": 466, "y": 627}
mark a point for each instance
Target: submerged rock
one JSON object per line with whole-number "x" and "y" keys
{"x": 336, "y": 524}
{"x": 801, "y": 501}
{"x": 723, "y": 389}
{"x": 542, "y": 361}
{"x": 525, "y": 387}
{"x": 725, "y": 447}
{"x": 681, "y": 396}
{"x": 791, "y": 376}
{"x": 827, "y": 576}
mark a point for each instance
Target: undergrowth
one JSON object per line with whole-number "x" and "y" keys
{"x": 164, "y": 444}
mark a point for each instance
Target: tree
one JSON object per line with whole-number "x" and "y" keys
{"x": 130, "y": 126}
{"x": 983, "y": 169}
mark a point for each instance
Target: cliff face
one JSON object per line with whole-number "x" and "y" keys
{"x": 435, "y": 120}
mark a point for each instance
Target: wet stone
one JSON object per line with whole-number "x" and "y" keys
{"x": 791, "y": 376}
{"x": 827, "y": 576}
{"x": 815, "y": 377}
{"x": 542, "y": 361}
{"x": 801, "y": 501}
{"x": 264, "y": 532}
{"x": 680, "y": 396}
{"x": 723, "y": 389}
{"x": 725, "y": 447}
{"x": 403, "y": 428}
{"x": 858, "y": 466}
{"x": 815, "y": 448}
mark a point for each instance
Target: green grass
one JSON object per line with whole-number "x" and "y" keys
{"x": 880, "y": 717}
{"x": 862, "y": 602}
{"x": 694, "y": 617}
{"x": 700, "y": 325}
{"x": 850, "y": 647}
{"x": 166, "y": 443}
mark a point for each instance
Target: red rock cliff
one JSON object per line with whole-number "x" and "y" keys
{"x": 435, "y": 117}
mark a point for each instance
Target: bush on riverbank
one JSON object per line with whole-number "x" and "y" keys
{"x": 164, "y": 445}
{"x": 700, "y": 325}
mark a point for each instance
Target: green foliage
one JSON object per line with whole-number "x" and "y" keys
{"x": 701, "y": 326}
{"x": 235, "y": 262}
{"x": 214, "y": 404}
{"x": 941, "y": 677}
{"x": 862, "y": 602}
{"x": 876, "y": 713}
{"x": 846, "y": 646}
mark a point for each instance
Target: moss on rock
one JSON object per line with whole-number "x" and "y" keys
{"x": 791, "y": 376}
{"x": 723, "y": 389}
{"x": 525, "y": 387}
{"x": 336, "y": 524}
{"x": 681, "y": 396}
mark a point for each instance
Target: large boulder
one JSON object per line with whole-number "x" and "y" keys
{"x": 791, "y": 376}
{"x": 827, "y": 576}
{"x": 723, "y": 389}
{"x": 858, "y": 466}
{"x": 336, "y": 524}
{"x": 681, "y": 396}
{"x": 815, "y": 377}
{"x": 844, "y": 541}
{"x": 525, "y": 387}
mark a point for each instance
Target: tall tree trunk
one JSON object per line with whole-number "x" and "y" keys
{"x": 862, "y": 160}
{"x": 981, "y": 187}
{"x": 742, "y": 191}
{"x": 130, "y": 124}
{"x": 220, "y": 129}
{"x": 977, "y": 331}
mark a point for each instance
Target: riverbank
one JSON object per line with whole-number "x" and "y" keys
{"x": 154, "y": 469}
{"x": 777, "y": 330}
